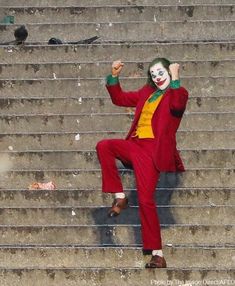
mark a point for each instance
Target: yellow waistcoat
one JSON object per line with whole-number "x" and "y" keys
{"x": 144, "y": 126}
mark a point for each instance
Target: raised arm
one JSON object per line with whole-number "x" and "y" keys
{"x": 179, "y": 96}
{"x": 118, "y": 95}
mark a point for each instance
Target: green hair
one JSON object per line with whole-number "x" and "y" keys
{"x": 165, "y": 62}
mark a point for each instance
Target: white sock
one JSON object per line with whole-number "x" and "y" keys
{"x": 120, "y": 195}
{"x": 157, "y": 252}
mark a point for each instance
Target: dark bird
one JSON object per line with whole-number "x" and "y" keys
{"x": 21, "y": 35}
{"x": 55, "y": 41}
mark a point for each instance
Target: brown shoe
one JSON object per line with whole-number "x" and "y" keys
{"x": 156, "y": 262}
{"x": 117, "y": 206}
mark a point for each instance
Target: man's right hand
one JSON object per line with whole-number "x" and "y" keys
{"x": 117, "y": 67}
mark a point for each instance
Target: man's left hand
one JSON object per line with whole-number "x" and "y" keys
{"x": 174, "y": 71}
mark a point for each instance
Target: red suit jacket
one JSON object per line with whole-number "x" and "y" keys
{"x": 165, "y": 121}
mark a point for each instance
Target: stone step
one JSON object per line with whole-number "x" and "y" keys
{"x": 88, "y": 159}
{"x": 84, "y": 70}
{"x": 121, "y": 276}
{"x": 42, "y": 105}
{"x": 120, "y": 13}
{"x": 213, "y": 51}
{"x": 88, "y": 140}
{"x": 205, "y": 214}
{"x": 114, "y": 235}
{"x": 80, "y": 87}
{"x": 82, "y": 179}
{"x": 107, "y": 122}
{"x": 79, "y": 3}
{"x": 180, "y": 257}
{"x": 205, "y": 30}
{"x": 90, "y": 197}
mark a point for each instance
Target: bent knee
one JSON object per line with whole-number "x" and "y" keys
{"x": 102, "y": 145}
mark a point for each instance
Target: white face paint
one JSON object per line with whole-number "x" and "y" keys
{"x": 160, "y": 76}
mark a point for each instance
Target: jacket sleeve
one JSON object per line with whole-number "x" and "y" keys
{"x": 178, "y": 99}
{"x": 119, "y": 96}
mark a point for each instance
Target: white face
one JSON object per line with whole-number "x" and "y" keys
{"x": 160, "y": 76}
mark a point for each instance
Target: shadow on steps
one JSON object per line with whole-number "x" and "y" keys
{"x": 130, "y": 217}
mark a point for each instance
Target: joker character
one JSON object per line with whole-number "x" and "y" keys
{"x": 149, "y": 148}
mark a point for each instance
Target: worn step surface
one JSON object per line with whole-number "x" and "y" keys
{"x": 212, "y": 51}
{"x": 114, "y": 235}
{"x": 23, "y": 141}
{"x": 87, "y": 87}
{"x": 75, "y": 198}
{"x": 96, "y": 69}
{"x": 88, "y": 159}
{"x": 58, "y": 3}
{"x": 90, "y": 105}
{"x": 204, "y": 30}
{"x": 121, "y": 276}
{"x": 122, "y": 13}
{"x": 123, "y": 257}
{"x": 80, "y": 178}
{"x": 98, "y": 215}
{"x": 107, "y": 122}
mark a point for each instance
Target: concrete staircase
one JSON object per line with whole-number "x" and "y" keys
{"x": 49, "y": 94}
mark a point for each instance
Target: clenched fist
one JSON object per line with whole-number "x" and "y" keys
{"x": 117, "y": 67}
{"x": 174, "y": 71}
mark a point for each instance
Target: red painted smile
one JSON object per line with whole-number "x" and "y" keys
{"x": 161, "y": 82}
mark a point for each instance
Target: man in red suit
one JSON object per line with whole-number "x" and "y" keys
{"x": 149, "y": 148}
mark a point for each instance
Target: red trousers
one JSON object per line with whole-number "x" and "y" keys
{"x": 138, "y": 153}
